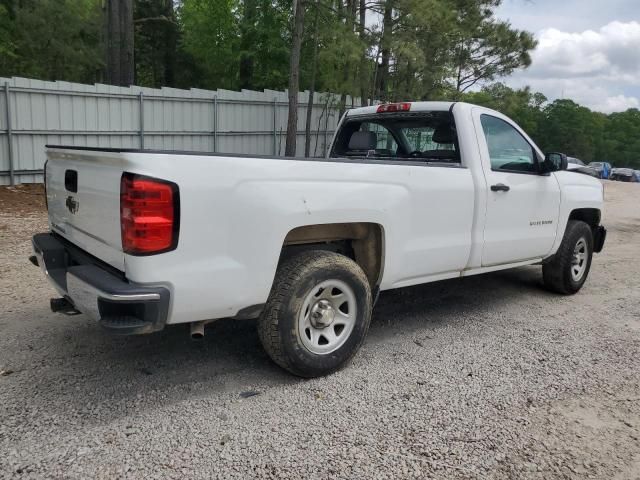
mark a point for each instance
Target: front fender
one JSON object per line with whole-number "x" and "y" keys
{"x": 577, "y": 191}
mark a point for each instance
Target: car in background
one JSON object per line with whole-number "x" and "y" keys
{"x": 624, "y": 175}
{"x": 578, "y": 166}
{"x": 603, "y": 168}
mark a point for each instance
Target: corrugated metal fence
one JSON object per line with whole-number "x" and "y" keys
{"x": 34, "y": 113}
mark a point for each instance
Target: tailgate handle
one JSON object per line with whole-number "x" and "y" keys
{"x": 71, "y": 180}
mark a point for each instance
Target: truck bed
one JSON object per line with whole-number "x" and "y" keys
{"x": 237, "y": 210}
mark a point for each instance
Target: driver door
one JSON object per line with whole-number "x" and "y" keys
{"x": 522, "y": 204}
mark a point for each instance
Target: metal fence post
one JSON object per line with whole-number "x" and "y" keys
{"x": 9, "y": 142}
{"x": 275, "y": 126}
{"x": 141, "y": 103}
{"x": 215, "y": 124}
{"x": 326, "y": 128}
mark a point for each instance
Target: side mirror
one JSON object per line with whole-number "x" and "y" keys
{"x": 554, "y": 162}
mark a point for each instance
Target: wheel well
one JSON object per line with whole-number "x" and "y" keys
{"x": 362, "y": 242}
{"x": 591, "y": 216}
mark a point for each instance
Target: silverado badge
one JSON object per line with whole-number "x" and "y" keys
{"x": 540, "y": 222}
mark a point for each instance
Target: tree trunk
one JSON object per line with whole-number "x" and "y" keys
{"x": 246, "y": 44}
{"x": 120, "y": 59}
{"x": 294, "y": 79}
{"x": 112, "y": 74}
{"x": 364, "y": 100}
{"x": 127, "y": 58}
{"x": 312, "y": 86}
{"x": 171, "y": 45}
{"x": 346, "y": 72}
{"x": 385, "y": 50}
{"x": 459, "y": 69}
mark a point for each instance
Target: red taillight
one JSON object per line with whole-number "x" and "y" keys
{"x": 394, "y": 107}
{"x": 149, "y": 211}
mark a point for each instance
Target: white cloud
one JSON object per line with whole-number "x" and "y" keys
{"x": 597, "y": 68}
{"x": 618, "y": 103}
{"x": 566, "y": 15}
{"x": 612, "y": 51}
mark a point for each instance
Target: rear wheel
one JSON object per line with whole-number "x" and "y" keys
{"x": 569, "y": 269}
{"x": 318, "y": 313}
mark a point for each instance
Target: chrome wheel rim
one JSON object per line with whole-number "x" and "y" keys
{"x": 327, "y": 317}
{"x": 579, "y": 260}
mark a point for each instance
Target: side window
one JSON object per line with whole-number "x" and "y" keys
{"x": 508, "y": 150}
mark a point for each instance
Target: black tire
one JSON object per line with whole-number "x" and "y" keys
{"x": 278, "y": 326}
{"x": 557, "y": 274}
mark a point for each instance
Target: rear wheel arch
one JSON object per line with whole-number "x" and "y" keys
{"x": 363, "y": 242}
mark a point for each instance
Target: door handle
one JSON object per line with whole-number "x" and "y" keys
{"x": 500, "y": 187}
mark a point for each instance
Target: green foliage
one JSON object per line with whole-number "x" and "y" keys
{"x": 483, "y": 48}
{"x": 340, "y": 52}
{"x": 156, "y": 42}
{"x": 51, "y": 39}
{"x": 210, "y": 36}
{"x": 219, "y": 34}
{"x": 266, "y": 41}
{"x": 420, "y": 50}
{"x": 424, "y": 49}
{"x": 525, "y": 107}
{"x": 571, "y": 128}
{"x": 620, "y": 139}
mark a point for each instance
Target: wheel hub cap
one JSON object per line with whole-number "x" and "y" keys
{"x": 327, "y": 316}
{"x": 322, "y": 314}
{"x": 579, "y": 260}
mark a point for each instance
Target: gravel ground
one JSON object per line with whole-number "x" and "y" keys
{"x": 485, "y": 377}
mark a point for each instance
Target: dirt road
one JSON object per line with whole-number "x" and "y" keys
{"x": 485, "y": 377}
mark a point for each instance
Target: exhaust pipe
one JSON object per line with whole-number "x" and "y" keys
{"x": 197, "y": 330}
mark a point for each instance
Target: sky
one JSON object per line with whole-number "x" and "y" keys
{"x": 588, "y": 50}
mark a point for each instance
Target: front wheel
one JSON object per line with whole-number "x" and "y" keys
{"x": 569, "y": 268}
{"x": 317, "y": 314}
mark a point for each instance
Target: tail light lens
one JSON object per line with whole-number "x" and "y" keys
{"x": 149, "y": 214}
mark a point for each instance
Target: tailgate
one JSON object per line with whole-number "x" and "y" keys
{"x": 83, "y": 198}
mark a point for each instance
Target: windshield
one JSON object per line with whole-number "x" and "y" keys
{"x": 424, "y": 136}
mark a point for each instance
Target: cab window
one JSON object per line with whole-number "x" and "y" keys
{"x": 385, "y": 143}
{"x": 421, "y": 137}
{"x": 508, "y": 149}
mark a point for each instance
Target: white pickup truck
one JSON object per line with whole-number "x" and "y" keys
{"x": 410, "y": 193}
